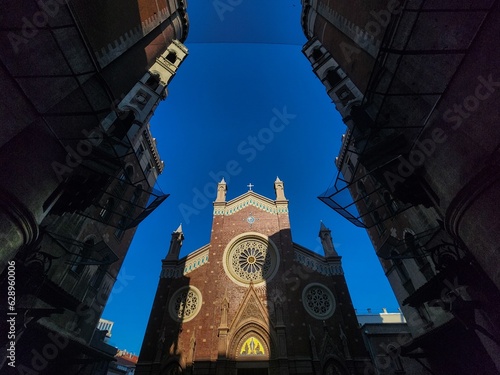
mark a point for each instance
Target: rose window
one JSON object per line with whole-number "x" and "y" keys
{"x": 185, "y": 304}
{"x": 251, "y": 260}
{"x": 318, "y": 300}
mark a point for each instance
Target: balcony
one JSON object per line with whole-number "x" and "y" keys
{"x": 411, "y": 76}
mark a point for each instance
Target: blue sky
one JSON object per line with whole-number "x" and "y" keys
{"x": 245, "y": 67}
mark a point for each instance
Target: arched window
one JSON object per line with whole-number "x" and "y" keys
{"x": 252, "y": 346}
{"x": 317, "y": 54}
{"x": 171, "y": 57}
{"x": 333, "y": 78}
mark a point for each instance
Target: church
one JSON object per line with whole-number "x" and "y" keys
{"x": 252, "y": 301}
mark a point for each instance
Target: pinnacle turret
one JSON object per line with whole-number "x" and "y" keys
{"x": 325, "y": 235}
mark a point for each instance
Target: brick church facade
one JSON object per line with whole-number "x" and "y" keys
{"x": 252, "y": 301}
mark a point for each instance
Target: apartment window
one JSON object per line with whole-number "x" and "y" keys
{"x": 390, "y": 203}
{"x": 350, "y": 165}
{"x": 136, "y": 195}
{"x": 363, "y": 193}
{"x": 140, "y": 150}
{"x": 418, "y": 254}
{"x": 378, "y": 222}
{"x": 98, "y": 276}
{"x": 106, "y": 211}
{"x": 120, "y": 230}
{"x": 403, "y": 274}
{"x": 122, "y": 178}
{"x": 85, "y": 253}
{"x": 149, "y": 169}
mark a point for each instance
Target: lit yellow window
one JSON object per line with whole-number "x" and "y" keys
{"x": 252, "y": 346}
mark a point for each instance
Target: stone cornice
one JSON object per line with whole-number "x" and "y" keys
{"x": 316, "y": 262}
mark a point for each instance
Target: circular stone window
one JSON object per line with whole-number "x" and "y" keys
{"x": 318, "y": 301}
{"x": 185, "y": 304}
{"x": 250, "y": 259}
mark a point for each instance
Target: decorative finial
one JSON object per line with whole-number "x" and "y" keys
{"x": 221, "y": 191}
{"x": 250, "y": 186}
{"x": 279, "y": 188}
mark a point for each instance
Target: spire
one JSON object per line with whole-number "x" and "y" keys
{"x": 221, "y": 191}
{"x": 325, "y": 235}
{"x": 175, "y": 244}
{"x": 279, "y": 188}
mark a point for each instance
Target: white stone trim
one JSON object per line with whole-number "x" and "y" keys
{"x": 318, "y": 266}
{"x": 233, "y": 207}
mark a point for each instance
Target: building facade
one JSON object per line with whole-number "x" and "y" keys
{"x": 385, "y": 334}
{"x": 252, "y": 301}
{"x": 416, "y": 86}
{"x": 78, "y": 163}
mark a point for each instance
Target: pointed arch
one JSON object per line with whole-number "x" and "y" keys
{"x": 260, "y": 334}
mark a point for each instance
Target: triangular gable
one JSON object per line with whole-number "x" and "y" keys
{"x": 251, "y": 309}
